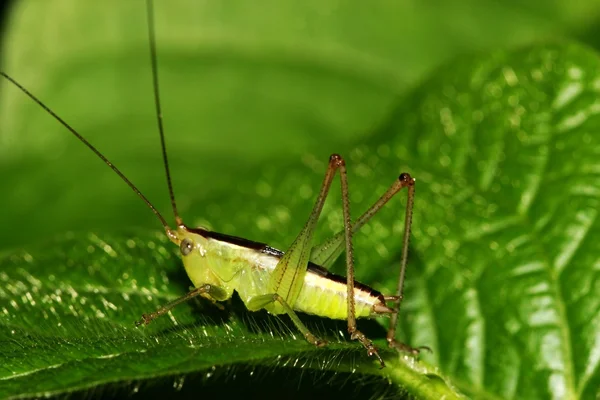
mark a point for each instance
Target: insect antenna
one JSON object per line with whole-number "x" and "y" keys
{"x": 159, "y": 118}
{"x": 92, "y": 148}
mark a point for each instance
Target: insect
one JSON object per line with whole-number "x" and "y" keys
{"x": 296, "y": 280}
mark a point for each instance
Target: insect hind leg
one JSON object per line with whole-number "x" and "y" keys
{"x": 406, "y": 181}
{"x": 355, "y": 334}
{"x": 331, "y": 249}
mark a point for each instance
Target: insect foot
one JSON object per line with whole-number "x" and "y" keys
{"x": 371, "y": 349}
{"x": 146, "y": 319}
{"x": 315, "y": 340}
{"x": 404, "y": 348}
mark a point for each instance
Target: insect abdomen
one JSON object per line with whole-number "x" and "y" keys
{"x": 326, "y": 297}
{"x": 323, "y": 293}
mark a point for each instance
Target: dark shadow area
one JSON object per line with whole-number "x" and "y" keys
{"x": 591, "y": 36}
{"x": 5, "y": 7}
{"x": 253, "y": 383}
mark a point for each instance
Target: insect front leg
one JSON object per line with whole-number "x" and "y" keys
{"x": 214, "y": 292}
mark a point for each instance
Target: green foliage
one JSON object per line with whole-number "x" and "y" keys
{"x": 70, "y": 309}
{"x": 503, "y": 274}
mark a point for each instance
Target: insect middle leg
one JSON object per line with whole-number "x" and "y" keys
{"x": 262, "y": 301}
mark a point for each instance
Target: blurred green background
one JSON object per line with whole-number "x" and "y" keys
{"x": 250, "y": 89}
{"x": 242, "y": 84}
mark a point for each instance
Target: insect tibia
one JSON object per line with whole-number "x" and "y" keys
{"x": 381, "y": 309}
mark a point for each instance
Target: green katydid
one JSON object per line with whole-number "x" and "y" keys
{"x": 296, "y": 280}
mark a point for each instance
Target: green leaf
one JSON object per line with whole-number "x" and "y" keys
{"x": 503, "y": 273}
{"x": 502, "y": 279}
{"x": 68, "y": 313}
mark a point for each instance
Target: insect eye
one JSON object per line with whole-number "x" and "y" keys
{"x": 186, "y": 246}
